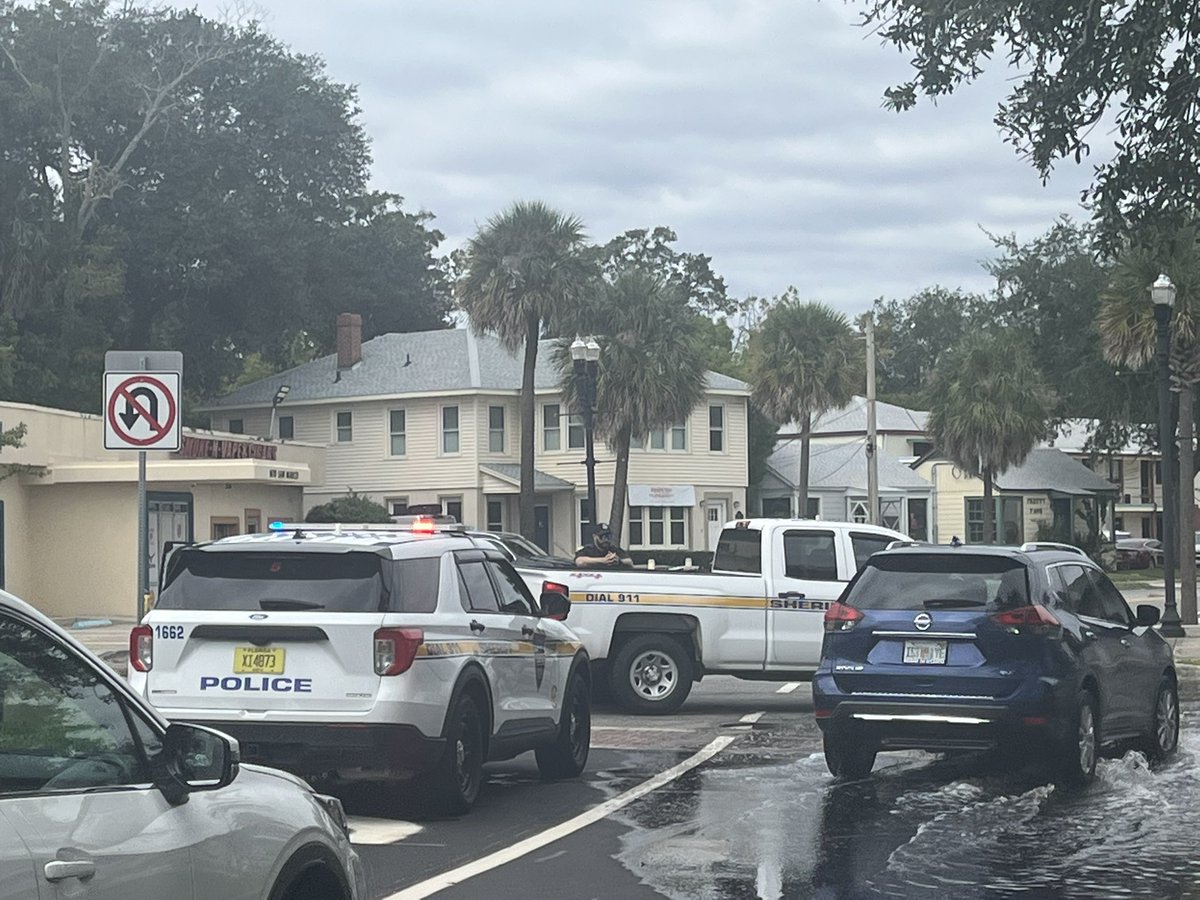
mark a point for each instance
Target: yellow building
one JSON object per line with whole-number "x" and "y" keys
{"x": 69, "y": 516}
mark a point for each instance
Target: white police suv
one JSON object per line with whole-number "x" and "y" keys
{"x": 354, "y": 651}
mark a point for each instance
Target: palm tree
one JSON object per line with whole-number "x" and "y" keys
{"x": 523, "y": 272}
{"x": 804, "y": 361}
{"x": 989, "y": 406}
{"x": 1128, "y": 333}
{"x": 652, "y": 367}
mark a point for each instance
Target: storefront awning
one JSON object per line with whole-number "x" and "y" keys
{"x": 662, "y": 495}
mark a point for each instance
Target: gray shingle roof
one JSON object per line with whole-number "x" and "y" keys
{"x": 1049, "y": 469}
{"x": 541, "y": 480}
{"x": 419, "y": 362}
{"x": 841, "y": 467}
{"x": 852, "y": 419}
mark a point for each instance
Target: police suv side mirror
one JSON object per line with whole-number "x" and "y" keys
{"x": 194, "y": 758}
{"x": 555, "y": 605}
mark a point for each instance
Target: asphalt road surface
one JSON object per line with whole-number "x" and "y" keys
{"x": 730, "y": 798}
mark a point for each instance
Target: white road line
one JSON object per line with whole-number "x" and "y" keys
{"x": 750, "y": 718}
{"x": 562, "y": 830}
{"x": 638, "y": 728}
{"x": 789, "y": 687}
{"x": 380, "y": 831}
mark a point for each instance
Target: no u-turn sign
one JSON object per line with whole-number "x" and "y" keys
{"x": 141, "y": 411}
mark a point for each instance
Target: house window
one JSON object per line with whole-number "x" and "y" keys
{"x": 575, "y": 431}
{"x": 716, "y": 428}
{"x": 551, "y": 430}
{"x": 1008, "y": 519}
{"x": 679, "y": 436}
{"x": 777, "y": 507}
{"x": 237, "y": 426}
{"x": 345, "y": 427}
{"x": 658, "y": 439}
{"x": 398, "y": 432}
{"x": 452, "y": 506}
{"x": 585, "y": 510}
{"x": 449, "y": 429}
{"x": 920, "y": 448}
{"x": 397, "y": 506}
{"x": 287, "y": 428}
{"x": 678, "y": 526}
{"x": 495, "y": 429}
{"x": 812, "y": 509}
{"x": 658, "y": 526}
{"x": 495, "y": 515}
{"x": 223, "y": 526}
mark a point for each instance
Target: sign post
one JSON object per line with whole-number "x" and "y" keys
{"x": 141, "y": 412}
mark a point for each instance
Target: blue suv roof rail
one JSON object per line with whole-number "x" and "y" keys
{"x": 894, "y": 544}
{"x": 1050, "y": 545}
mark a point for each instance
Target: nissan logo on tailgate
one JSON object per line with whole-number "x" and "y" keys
{"x": 922, "y": 621}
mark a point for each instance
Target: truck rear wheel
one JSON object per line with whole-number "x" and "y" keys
{"x": 651, "y": 675}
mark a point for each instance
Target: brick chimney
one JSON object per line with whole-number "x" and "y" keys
{"x": 349, "y": 339}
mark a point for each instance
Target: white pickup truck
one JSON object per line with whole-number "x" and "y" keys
{"x": 759, "y": 614}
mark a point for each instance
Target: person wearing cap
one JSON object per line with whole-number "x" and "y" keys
{"x": 602, "y": 552}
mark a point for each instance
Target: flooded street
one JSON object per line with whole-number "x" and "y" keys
{"x": 921, "y": 826}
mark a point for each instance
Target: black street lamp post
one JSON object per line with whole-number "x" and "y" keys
{"x": 1162, "y": 292}
{"x": 585, "y": 355}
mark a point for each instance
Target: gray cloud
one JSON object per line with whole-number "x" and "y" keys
{"x": 754, "y": 128}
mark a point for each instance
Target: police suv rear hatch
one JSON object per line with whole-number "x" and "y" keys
{"x": 259, "y": 629}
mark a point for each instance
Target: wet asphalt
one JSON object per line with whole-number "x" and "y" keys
{"x": 763, "y": 819}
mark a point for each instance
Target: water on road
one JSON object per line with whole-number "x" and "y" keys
{"x": 922, "y": 826}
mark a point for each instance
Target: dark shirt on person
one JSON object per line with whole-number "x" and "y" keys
{"x": 593, "y": 552}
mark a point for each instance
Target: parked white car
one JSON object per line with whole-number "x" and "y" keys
{"x": 101, "y": 799}
{"x": 757, "y": 615}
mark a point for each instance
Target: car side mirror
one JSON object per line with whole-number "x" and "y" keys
{"x": 195, "y": 758}
{"x": 1147, "y": 615}
{"x": 555, "y": 605}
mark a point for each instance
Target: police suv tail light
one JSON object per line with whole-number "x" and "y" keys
{"x": 396, "y": 648}
{"x": 556, "y": 588}
{"x": 1032, "y": 619}
{"x": 141, "y": 648}
{"x": 840, "y": 617}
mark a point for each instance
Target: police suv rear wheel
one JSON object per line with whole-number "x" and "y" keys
{"x": 566, "y": 757}
{"x": 459, "y": 773}
{"x": 651, "y": 675}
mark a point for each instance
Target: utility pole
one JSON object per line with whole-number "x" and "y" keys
{"x": 872, "y": 456}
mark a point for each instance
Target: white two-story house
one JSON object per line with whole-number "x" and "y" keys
{"x": 434, "y": 417}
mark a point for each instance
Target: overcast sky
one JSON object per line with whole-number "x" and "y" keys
{"x": 754, "y": 128}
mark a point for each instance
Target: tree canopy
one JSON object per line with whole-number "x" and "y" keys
{"x": 171, "y": 181}
{"x": 1075, "y": 63}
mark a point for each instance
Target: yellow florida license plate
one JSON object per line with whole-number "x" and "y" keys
{"x": 258, "y": 661}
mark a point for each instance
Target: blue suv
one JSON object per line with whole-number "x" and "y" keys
{"x": 967, "y": 648}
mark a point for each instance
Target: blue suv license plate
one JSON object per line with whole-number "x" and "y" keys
{"x": 925, "y": 652}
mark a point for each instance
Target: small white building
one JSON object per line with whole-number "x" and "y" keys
{"x": 434, "y": 417}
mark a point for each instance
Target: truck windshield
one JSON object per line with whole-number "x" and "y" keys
{"x": 739, "y": 550}
{"x": 940, "y": 581}
{"x": 332, "y": 582}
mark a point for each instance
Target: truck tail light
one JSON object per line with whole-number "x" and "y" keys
{"x": 396, "y": 648}
{"x": 1032, "y": 619}
{"x": 556, "y": 587}
{"x": 141, "y": 648}
{"x": 840, "y": 617}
